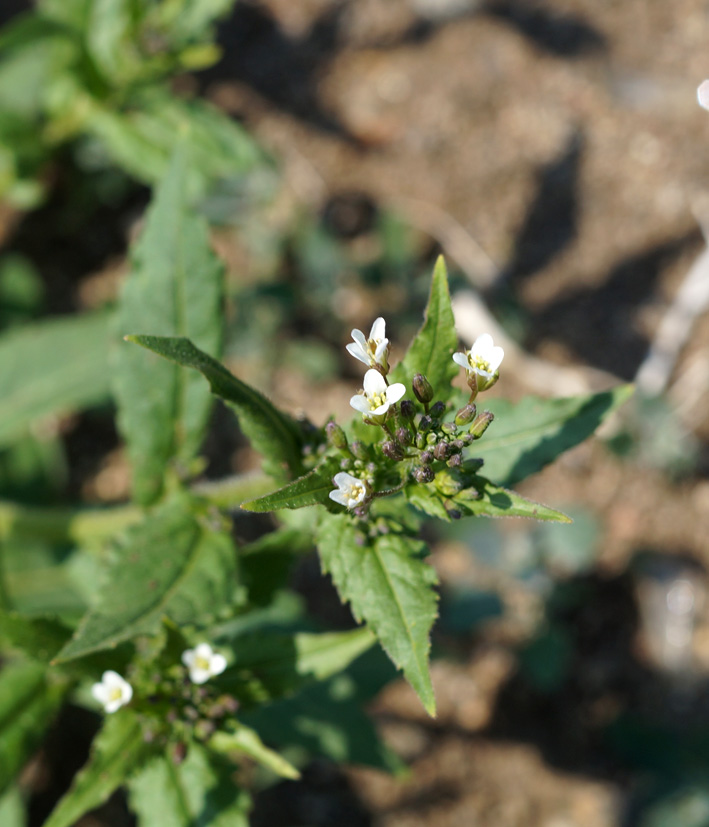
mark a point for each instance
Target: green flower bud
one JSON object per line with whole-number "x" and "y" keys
{"x": 449, "y": 428}
{"x": 422, "y": 388}
{"x": 481, "y": 424}
{"x": 359, "y": 449}
{"x": 336, "y": 436}
{"x": 391, "y": 450}
{"x": 420, "y": 440}
{"x": 431, "y": 438}
{"x": 466, "y": 414}
{"x": 425, "y": 424}
{"x": 437, "y": 410}
{"x": 449, "y": 483}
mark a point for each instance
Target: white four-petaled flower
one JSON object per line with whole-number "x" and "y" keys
{"x": 112, "y": 692}
{"x": 483, "y": 358}
{"x": 203, "y": 662}
{"x": 373, "y": 351}
{"x": 377, "y": 397}
{"x": 350, "y": 490}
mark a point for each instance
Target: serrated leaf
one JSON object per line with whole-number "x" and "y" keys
{"x": 199, "y": 792}
{"x": 273, "y": 433}
{"x": 428, "y": 500}
{"x": 388, "y": 586}
{"x": 40, "y": 638}
{"x": 175, "y": 288}
{"x": 51, "y": 367}
{"x": 28, "y": 703}
{"x": 311, "y": 489}
{"x": 270, "y": 665}
{"x": 495, "y": 501}
{"x": 433, "y": 346}
{"x": 118, "y": 751}
{"x": 242, "y": 739}
{"x": 171, "y": 565}
{"x": 528, "y": 435}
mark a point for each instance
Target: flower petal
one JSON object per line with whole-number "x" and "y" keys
{"x": 374, "y": 383}
{"x": 100, "y": 693}
{"x": 358, "y": 336}
{"x": 188, "y": 658}
{"x": 381, "y": 352}
{"x": 356, "y": 350}
{"x": 360, "y": 403}
{"x": 199, "y": 675}
{"x": 381, "y": 410}
{"x": 217, "y": 664}
{"x": 482, "y": 346}
{"x": 203, "y": 650}
{"x": 344, "y": 480}
{"x": 462, "y": 360}
{"x": 378, "y": 329}
{"x": 340, "y": 497}
{"x": 395, "y": 392}
{"x": 495, "y": 358}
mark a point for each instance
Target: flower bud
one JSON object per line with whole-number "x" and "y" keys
{"x": 427, "y": 457}
{"x": 425, "y": 424}
{"x": 478, "y": 428}
{"x": 466, "y": 414}
{"x": 359, "y": 449}
{"x": 403, "y": 436}
{"x": 449, "y": 428}
{"x": 420, "y": 440}
{"x": 391, "y": 450}
{"x": 454, "y": 513}
{"x": 441, "y": 451}
{"x": 431, "y": 438}
{"x": 424, "y": 474}
{"x": 458, "y": 444}
{"x": 422, "y": 388}
{"x": 336, "y": 436}
{"x": 437, "y": 410}
{"x": 407, "y": 409}
{"x": 455, "y": 461}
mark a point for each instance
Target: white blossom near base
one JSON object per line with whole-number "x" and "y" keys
{"x": 203, "y": 663}
{"x": 112, "y": 692}
{"x": 703, "y": 94}
{"x": 377, "y": 397}
{"x": 350, "y": 490}
{"x": 373, "y": 351}
{"x": 483, "y": 359}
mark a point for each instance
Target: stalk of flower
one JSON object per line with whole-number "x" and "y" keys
{"x": 481, "y": 363}
{"x": 376, "y": 399}
{"x": 112, "y": 692}
{"x": 374, "y": 351}
{"x": 203, "y": 663}
{"x": 350, "y": 492}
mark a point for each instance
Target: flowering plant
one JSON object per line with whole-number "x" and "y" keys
{"x": 188, "y": 627}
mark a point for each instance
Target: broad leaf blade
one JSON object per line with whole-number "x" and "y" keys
{"x": 40, "y": 638}
{"x": 118, "y": 750}
{"x": 28, "y": 703}
{"x": 529, "y": 435}
{"x": 52, "y": 367}
{"x": 499, "y": 502}
{"x": 432, "y": 349}
{"x": 171, "y": 565}
{"x": 390, "y": 588}
{"x": 175, "y": 288}
{"x": 273, "y": 434}
{"x": 199, "y": 791}
{"x": 311, "y": 489}
{"x": 240, "y": 738}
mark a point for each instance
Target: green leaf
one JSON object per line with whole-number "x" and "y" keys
{"x": 12, "y": 811}
{"x": 271, "y": 665}
{"x": 526, "y": 436}
{"x": 273, "y": 433}
{"x": 28, "y": 703}
{"x": 390, "y": 587}
{"x": 432, "y": 349}
{"x": 499, "y": 502}
{"x": 110, "y": 38}
{"x": 243, "y": 739}
{"x": 51, "y": 368}
{"x": 118, "y": 751}
{"x": 172, "y": 565}
{"x": 40, "y": 638}
{"x": 175, "y": 288}
{"x": 312, "y": 489}
{"x": 199, "y": 792}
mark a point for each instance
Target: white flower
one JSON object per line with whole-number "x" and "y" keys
{"x": 113, "y": 692}
{"x": 350, "y": 490}
{"x": 203, "y": 663}
{"x": 373, "y": 351}
{"x": 377, "y": 397}
{"x": 483, "y": 358}
{"x": 703, "y": 94}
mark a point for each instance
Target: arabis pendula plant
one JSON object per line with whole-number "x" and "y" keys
{"x": 378, "y": 397}
{"x": 350, "y": 490}
{"x": 374, "y": 351}
{"x": 482, "y": 360}
{"x": 203, "y": 663}
{"x": 113, "y": 692}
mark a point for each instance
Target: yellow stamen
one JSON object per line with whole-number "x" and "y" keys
{"x": 201, "y": 663}
{"x": 115, "y": 694}
{"x": 376, "y": 400}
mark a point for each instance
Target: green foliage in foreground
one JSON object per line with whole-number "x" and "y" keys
{"x": 149, "y": 584}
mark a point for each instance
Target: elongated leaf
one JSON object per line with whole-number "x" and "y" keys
{"x": 171, "y": 565}
{"x": 12, "y": 811}
{"x": 389, "y": 587}
{"x": 532, "y": 433}
{"x": 51, "y": 367}
{"x": 311, "y": 489}
{"x": 40, "y": 638}
{"x": 268, "y": 666}
{"x": 118, "y": 751}
{"x": 110, "y": 40}
{"x": 240, "y": 738}
{"x": 432, "y": 349}
{"x": 499, "y": 502}
{"x": 272, "y": 432}
{"x": 28, "y": 703}
{"x": 175, "y": 288}
{"x": 199, "y": 792}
